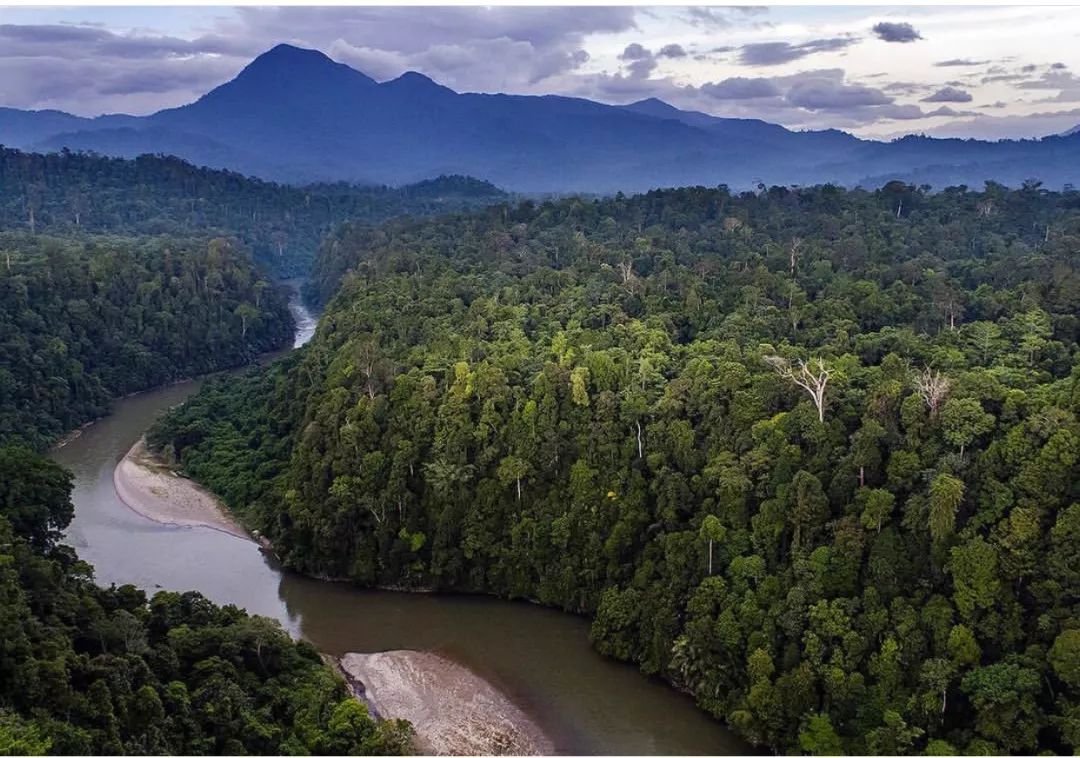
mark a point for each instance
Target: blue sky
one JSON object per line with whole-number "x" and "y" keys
{"x": 998, "y": 71}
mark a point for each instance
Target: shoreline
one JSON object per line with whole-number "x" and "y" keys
{"x": 146, "y": 485}
{"x": 453, "y": 710}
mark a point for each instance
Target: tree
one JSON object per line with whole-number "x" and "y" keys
{"x": 1064, "y": 657}
{"x": 18, "y": 737}
{"x": 34, "y": 496}
{"x": 933, "y": 387}
{"x": 962, "y": 420}
{"x": 877, "y": 507}
{"x": 513, "y": 470}
{"x": 819, "y": 737}
{"x": 973, "y": 566}
{"x": 1004, "y": 698}
{"x": 246, "y": 313}
{"x": 712, "y": 531}
{"x": 813, "y": 377}
{"x": 946, "y": 494}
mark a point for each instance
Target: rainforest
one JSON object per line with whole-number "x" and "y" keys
{"x": 808, "y": 454}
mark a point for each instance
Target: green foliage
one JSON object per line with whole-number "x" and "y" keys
{"x": 1065, "y": 657}
{"x": 852, "y": 582}
{"x": 92, "y": 670}
{"x": 72, "y": 194}
{"x": 85, "y": 322}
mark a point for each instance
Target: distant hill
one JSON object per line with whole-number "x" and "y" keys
{"x": 295, "y": 115}
{"x": 78, "y": 194}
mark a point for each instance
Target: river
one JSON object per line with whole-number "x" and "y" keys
{"x": 540, "y": 657}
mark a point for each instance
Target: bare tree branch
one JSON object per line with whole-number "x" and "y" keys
{"x": 812, "y": 376}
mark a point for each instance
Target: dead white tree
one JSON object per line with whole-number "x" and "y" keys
{"x": 794, "y": 252}
{"x": 812, "y": 376}
{"x": 933, "y": 387}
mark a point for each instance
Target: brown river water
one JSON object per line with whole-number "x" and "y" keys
{"x": 540, "y": 657}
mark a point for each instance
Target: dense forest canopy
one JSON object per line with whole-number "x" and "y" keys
{"x": 810, "y": 454}
{"x": 92, "y": 670}
{"x": 68, "y": 193}
{"x": 84, "y": 321}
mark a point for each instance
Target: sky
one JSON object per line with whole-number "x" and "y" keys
{"x": 988, "y": 72}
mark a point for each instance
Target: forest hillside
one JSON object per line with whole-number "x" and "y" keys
{"x": 809, "y": 454}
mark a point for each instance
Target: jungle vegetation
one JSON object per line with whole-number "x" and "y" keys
{"x": 810, "y": 454}
{"x": 86, "y": 321}
{"x": 74, "y": 194}
{"x": 92, "y": 670}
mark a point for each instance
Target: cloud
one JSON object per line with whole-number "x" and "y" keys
{"x": 961, "y": 62}
{"x": 775, "y": 53}
{"x": 712, "y": 17}
{"x": 642, "y": 61}
{"x": 949, "y": 95}
{"x": 635, "y": 52}
{"x": 827, "y": 94}
{"x": 1065, "y": 82}
{"x": 890, "y": 31}
{"x": 741, "y": 88}
{"x": 946, "y": 110}
{"x": 904, "y": 88}
{"x": 985, "y": 126}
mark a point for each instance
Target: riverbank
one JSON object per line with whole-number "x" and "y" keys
{"x": 454, "y": 711}
{"x": 149, "y": 487}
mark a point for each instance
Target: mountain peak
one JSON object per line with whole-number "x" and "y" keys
{"x": 652, "y": 104}
{"x": 294, "y": 63}
{"x": 415, "y": 83}
{"x": 416, "y": 80}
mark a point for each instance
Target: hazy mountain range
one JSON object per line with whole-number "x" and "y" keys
{"x": 295, "y": 115}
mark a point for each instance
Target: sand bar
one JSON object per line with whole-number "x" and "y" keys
{"x": 454, "y": 711}
{"x": 149, "y": 487}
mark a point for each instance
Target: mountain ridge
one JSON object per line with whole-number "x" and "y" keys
{"x": 295, "y": 115}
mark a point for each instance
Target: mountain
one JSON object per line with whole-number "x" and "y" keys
{"x": 295, "y": 115}
{"x": 1070, "y": 132}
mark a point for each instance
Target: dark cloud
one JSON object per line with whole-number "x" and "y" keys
{"x": 642, "y": 61}
{"x": 641, "y": 69}
{"x": 827, "y": 94}
{"x": 961, "y": 62}
{"x": 635, "y": 52}
{"x": 890, "y": 31}
{"x": 1058, "y": 66}
{"x": 1065, "y": 82}
{"x": 949, "y": 95}
{"x": 741, "y": 88}
{"x": 774, "y": 53}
